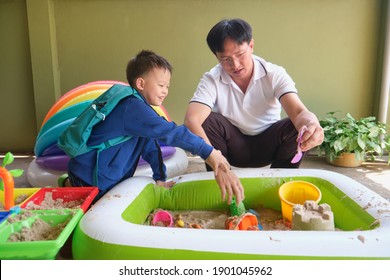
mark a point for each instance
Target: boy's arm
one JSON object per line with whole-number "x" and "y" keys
{"x": 154, "y": 127}
{"x": 152, "y": 154}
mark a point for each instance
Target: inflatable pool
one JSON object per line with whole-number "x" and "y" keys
{"x": 113, "y": 228}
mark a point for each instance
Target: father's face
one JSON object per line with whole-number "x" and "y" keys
{"x": 236, "y": 59}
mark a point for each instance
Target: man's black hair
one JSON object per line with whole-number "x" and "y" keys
{"x": 236, "y": 29}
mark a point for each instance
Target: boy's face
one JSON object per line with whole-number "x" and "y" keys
{"x": 154, "y": 86}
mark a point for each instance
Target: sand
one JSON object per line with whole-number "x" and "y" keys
{"x": 49, "y": 203}
{"x": 19, "y": 199}
{"x": 269, "y": 219}
{"x": 39, "y": 229}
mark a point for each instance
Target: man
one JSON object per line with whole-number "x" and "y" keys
{"x": 237, "y": 105}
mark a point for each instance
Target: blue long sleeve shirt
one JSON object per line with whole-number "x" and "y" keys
{"x": 133, "y": 117}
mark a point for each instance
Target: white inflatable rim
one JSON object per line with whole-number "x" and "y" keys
{"x": 104, "y": 225}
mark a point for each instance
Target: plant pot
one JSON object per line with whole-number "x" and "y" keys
{"x": 345, "y": 160}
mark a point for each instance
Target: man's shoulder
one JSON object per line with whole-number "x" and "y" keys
{"x": 267, "y": 65}
{"x": 214, "y": 73}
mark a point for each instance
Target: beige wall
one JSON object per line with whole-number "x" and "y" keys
{"x": 330, "y": 48}
{"x": 17, "y": 111}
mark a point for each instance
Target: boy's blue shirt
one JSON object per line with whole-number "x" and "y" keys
{"x": 136, "y": 118}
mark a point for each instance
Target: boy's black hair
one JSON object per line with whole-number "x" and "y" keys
{"x": 144, "y": 62}
{"x": 236, "y": 29}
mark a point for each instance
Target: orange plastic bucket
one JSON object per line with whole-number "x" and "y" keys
{"x": 246, "y": 221}
{"x": 296, "y": 192}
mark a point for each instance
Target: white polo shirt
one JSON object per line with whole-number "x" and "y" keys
{"x": 257, "y": 109}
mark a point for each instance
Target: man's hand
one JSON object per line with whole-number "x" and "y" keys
{"x": 301, "y": 116}
{"x": 312, "y": 137}
{"x": 230, "y": 184}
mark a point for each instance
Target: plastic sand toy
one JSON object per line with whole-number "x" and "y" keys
{"x": 8, "y": 188}
{"x": 237, "y": 210}
{"x": 162, "y": 218}
{"x": 254, "y": 212}
{"x": 7, "y": 181}
{"x": 246, "y": 221}
{"x": 296, "y": 192}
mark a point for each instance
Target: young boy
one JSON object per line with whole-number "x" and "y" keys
{"x": 150, "y": 75}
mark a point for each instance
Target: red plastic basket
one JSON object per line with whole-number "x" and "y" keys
{"x": 79, "y": 197}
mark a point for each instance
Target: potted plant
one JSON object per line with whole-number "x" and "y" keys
{"x": 354, "y": 139}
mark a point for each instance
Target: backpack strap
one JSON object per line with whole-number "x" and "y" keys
{"x": 111, "y": 142}
{"x": 102, "y": 147}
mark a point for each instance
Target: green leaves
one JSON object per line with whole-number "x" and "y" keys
{"x": 8, "y": 159}
{"x": 361, "y": 140}
{"x": 364, "y": 136}
{"x": 16, "y": 172}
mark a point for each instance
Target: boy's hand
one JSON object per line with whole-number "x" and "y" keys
{"x": 230, "y": 184}
{"x": 216, "y": 160}
{"x": 167, "y": 184}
